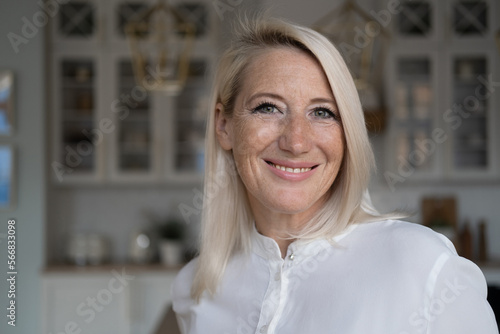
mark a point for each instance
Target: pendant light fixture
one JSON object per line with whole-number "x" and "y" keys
{"x": 160, "y": 42}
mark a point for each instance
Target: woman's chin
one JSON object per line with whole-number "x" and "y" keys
{"x": 293, "y": 205}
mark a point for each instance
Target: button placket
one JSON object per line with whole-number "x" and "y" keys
{"x": 282, "y": 301}
{"x": 273, "y": 295}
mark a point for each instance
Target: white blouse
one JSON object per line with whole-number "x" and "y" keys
{"x": 386, "y": 277}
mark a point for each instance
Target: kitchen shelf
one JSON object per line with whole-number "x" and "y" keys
{"x": 106, "y": 268}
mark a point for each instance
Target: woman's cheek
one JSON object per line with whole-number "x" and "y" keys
{"x": 255, "y": 136}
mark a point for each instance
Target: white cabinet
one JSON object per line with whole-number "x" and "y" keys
{"x": 150, "y": 298}
{"x": 443, "y": 111}
{"x": 110, "y": 301}
{"x": 107, "y": 128}
{"x": 84, "y": 303}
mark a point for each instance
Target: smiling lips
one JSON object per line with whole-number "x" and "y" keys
{"x": 292, "y": 171}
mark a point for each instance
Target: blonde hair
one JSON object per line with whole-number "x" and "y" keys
{"x": 227, "y": 219}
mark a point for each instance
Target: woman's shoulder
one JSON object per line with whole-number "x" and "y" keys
{"x": 404, "y": 249}
{"x": 404, "y": 239}
{"x": 402, "y": 231}
{"x": 425, "y": 266}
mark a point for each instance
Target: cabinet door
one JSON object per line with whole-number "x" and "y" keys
{"x": 471, "y": 71}
{"x": 86, "y": 303}
{"x": 77, "y": 96}
{"x": 472, "y": 21}
{"x": 122, "y": 12}
{"x": 418, "y": 21}
{"x": 188, "y": 114}
{"x": 415, "y": 153}
{"x": 470, "y": 119}
{"x": 134, "y": 154}
{"x": 77, "y": 23}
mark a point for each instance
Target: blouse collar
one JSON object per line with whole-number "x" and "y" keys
{"x": 299, "y": 250}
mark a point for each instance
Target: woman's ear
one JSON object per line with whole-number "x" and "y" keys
{"x": 223, "y": 128}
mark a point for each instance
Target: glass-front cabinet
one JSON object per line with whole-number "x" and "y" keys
{"x": 134, "y": 127}
{"x": 78, "y": 112}
{"x": 190, "y": 119}
{"x": 442, "y": 67}
{"x": 107, "y": 126}
{"x": 471, "y": 114}
{"x": 76, "y": 95}
{"x": 414, "y": 108}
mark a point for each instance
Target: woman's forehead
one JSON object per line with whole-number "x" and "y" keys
{"x": 286, "y": 70}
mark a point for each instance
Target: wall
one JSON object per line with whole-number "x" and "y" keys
{"x": 29, "y": 141}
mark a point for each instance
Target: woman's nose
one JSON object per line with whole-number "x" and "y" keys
{"x": 296, "y": 135}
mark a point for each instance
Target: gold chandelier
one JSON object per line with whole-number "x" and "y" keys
{"x": 363, "y": 42}
{"x": 160, "y": 42}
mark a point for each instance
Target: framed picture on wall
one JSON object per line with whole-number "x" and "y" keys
{"x": 6, "y": 103}
{"x": 7, "y": 177}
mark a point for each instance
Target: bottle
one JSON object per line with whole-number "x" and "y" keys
{"x": 483, "y": 246}
{"x": 141, "y": 249}
{"x": 466, "y": 241}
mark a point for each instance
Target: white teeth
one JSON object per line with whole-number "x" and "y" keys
{"x": 291, "y": 170}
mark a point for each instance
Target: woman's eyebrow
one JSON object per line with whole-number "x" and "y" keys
{"x": 279, "y": 97}
{"x": 324, "y": 100}
{"x": 268, "y": 95}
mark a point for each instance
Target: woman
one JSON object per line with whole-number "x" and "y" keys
{"x": 290, "y": 240}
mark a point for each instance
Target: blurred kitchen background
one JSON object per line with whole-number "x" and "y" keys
{"x": 102, "y": 121}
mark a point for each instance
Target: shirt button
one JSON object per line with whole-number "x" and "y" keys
{"x": 263, "y": 329}
{"x": 291, "y": 257}
{"x": 277, "y": 276}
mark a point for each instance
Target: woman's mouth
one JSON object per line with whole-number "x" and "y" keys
{"x": 290, "y": 169}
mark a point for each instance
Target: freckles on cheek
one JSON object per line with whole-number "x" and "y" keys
{"x": 263, "y": 136}
{"x": 253, "y": 136}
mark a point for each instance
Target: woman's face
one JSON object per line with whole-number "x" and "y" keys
{"x": 285, "y": 132}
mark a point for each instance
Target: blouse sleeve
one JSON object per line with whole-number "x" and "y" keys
{"x": 456, "y": 299}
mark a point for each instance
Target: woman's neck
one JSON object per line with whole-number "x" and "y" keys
{"x": 277, "y": 231}
{"x": 279, "y": 226}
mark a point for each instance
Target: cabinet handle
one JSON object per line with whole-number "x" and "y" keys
{"x": 497, "y": 39}
{"x": 102, "y": 29}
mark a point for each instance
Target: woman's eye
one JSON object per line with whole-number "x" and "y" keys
{"x": 323, "y": 113}
{"x": 266, "y": 108}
